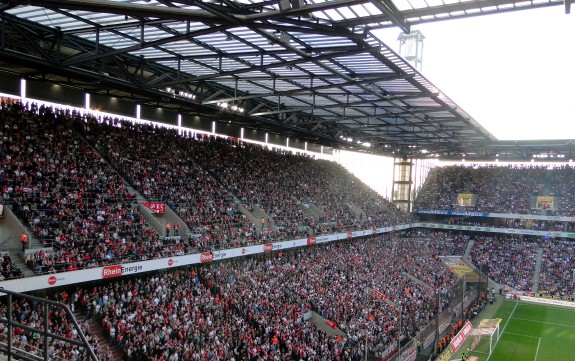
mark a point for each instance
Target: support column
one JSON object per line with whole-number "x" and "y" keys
{"x": 402, "y": 183}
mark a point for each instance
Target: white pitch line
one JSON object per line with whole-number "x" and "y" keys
{"x": 502, "y": 331}
{"x": 537, "y": 352}
{"x": 519, "y": 334}
{"x": 547, "y": 323}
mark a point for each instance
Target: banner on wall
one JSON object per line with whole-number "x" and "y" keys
{"x": 156, "y": 207}
{"x": 120, "y": 270}
{"x": 465, "y": 199}
{"x": 545, "y": 202}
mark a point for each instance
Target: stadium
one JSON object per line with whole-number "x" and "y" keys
{"x": 172, "y": 190}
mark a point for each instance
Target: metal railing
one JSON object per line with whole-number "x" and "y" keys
{"x": 10, "y": 346}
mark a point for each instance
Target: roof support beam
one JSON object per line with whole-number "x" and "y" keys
{"x": 393, "y": 13}
{"x": 144, "y": 45}
{"x": 311, "y": 90}
{"x": 307, "y": 9}
{"x": 434, "y": 10}
{"x": 265, "y": 67}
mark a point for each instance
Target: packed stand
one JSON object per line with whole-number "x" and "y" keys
{"x": 61, "y": 174}
{"x": 199, "y": 176}
{"x": 502, "y": 189}
{"x": 31, "y": 343}
{"x": 67, "y": 194}
{"x": 253, "y": 308}
{"x": 8, "y": 269}
{"x": 511, "y": 261}
{"x": 281, "y": 183}
{"x": 157, "y": 162}
{"x": 536, "y": 225}
{"x": 443, "y": 243}
{"x": 556, "y": 278}
{"x": 259, "y": 177}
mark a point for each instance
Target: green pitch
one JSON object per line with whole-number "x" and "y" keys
{"x": 533, "y": 332}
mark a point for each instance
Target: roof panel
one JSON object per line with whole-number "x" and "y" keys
{"x": 262, "y": 55}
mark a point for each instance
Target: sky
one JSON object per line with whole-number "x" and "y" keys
{"x": 514, "y": 73}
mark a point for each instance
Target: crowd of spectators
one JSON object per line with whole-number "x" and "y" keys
{"x": 557, "y": 271}
{"x": 65, "y": 172}
{"x": 156, "y": 161}
{"x": 501, "y": 189}
{"x": 8, "y": 269}
{"x": 67, "y": 194}
{"x": 30, "y": 343}
{"x": 253, "y": 308}
{"x": 536, "y": 225}
{"x": 511, "y": 260}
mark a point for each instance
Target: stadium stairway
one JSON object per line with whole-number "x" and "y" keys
{"x": 98, "y": 331}
{"x": 537, "y": 272}
{"x": 316, "y": 210}
{"x": 418, "y": 281}
{"x": 18, "y": 258}
{"x": 306, "y": 207}
{"x": 259, "y": 213}
{"x": 356, "y": 211}
{"x": 246, "y": 212}
{"x": 468, "y": 248}
{"x": 422, "y": 357}
{"x": 322, "y": 324}
{"x": 12, "y": 228}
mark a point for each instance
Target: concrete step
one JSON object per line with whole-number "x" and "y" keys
{"x": 469, "y": 248}
{"x": 418, "y": 281}
{"x": 18, "y": 258}
{"x": 104, "y": 341}
{"x": 537, "y": 272}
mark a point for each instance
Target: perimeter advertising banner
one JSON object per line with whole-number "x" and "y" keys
{"x": 156, "y": 207}
{"x": 120, "y": 270}
{"x": 461, "y": 336}
{"x": 545, "y": 202}
{"x": 465, "y": 199}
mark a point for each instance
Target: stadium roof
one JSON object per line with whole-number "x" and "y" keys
{"x": 308, "y": 69}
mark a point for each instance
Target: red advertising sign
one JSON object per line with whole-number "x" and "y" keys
{"x": 349, "y": 234}
{"x": 311, "y": 240}
{"x": 156, "y": 207}
{"x": 461, "y": 336}
{"x": 206, "y": 257}
{"x": 268, "y": 247}
{"x": 112, "y": 271}
{"x": 331, "y": 323}
{"x": 378, "y": 294}
{"x": 52, "y": 280}
{"x": 170, "y": 262}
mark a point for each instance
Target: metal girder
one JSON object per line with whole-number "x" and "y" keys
{"x": 397, "y": 18}
{"x": 126, "y": 25}
{"x": 455, "y": 10}
{"x": 124, "y": 8}
{"x": 265, "y": 67}
{"x": 351, "y": 105}
{"x": 408, "y": 125}
{"x": 304, "y": 10}
{"x": 325, "y": 84}
{"x": 315, "y": 50}
{"x": 311, "y": 90}
{"x": 139, "y": 46}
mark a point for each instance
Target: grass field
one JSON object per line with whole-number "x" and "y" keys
{"x": 533, "y": 332}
